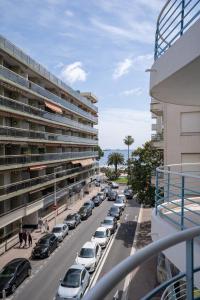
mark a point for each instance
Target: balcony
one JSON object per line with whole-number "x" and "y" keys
{"x": 43, "y": 93}
{"x": 18, "y": 134}
{"x": 175, "y": 74}
{"x": 33, "y": 112}
{"x": 18, "y": 54}
{"x": 29, "y": 185}
{"x": 157, "y": 140}
{"x": 156, "y": 108}
{"x": 19, "y": 161}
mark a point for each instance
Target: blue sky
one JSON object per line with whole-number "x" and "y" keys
{"x": 102, "y": 46}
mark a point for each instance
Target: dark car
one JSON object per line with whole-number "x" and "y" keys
{"x": 112, "y": 195}
{"x": 102, "y": 195}
{"x": 97, "y": 200}
{"x": 114, "y": 211}
{"x": 13, "y": 274}
{"x": 110, "y": 223}
{"x": 89, "y": 203}
{"x": 72, "y": 220}
{"x": 45, "y": 245}
{"x": 107, "y": 189}
{"x": 85, "y": 212}
{"x": 128, "y": 193}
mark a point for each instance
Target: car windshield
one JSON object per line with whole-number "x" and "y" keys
{"x": 86, "y": 204}
{"x": 86, "y": 253}
{"x": 43, "y": 242}
{"x": 107, "y": 222}
{"x": 72, "y": 278}
{"x": 100, "y": 234}
{"x": 57, "y": 229}
{"x": 82, "y": 209}
{"x": 7, "y": 271}
{"x": 119, "y": 200}
{"x": 70, "y": 217}
{"x": 114, "y": 209}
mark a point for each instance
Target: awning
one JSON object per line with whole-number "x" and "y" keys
{"x": 83, "y": 162}
{"x": 53, "y": 107}
{"x": 35, "y": 168}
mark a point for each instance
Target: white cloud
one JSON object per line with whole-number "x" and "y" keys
{"x": 116, "y": 123}
{"x": 68, "y": 13}
{"x": 122, "y": 68}
{"x": 73, "y": 72}
{"x": 135, "y": 92}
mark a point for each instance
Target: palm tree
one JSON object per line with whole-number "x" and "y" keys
{"x": 128, "y": 141}
{"x": 115, "y": 159}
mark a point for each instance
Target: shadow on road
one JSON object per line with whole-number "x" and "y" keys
{"x": 126, "y": 233}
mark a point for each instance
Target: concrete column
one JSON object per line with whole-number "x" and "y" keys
{"x": 31, "y": 219}
{"x": 1, "y": 60}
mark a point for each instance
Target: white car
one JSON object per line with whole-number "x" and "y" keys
{"x": 120, "y": 202}
{"x": 89, "y": 256}
{"x": 60, "y": 231}
{"x": 114, "y": 185}
{"x": 101, "y": 236}
{"x": 74, "y": 283}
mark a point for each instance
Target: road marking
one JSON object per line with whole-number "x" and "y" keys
{"x": 133, "y": 250}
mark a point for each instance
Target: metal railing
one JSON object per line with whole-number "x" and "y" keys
{"x": 38, "y": 158}
{"x": 174, "y": 19}
{"x": 34, "y": 111}
{"x": 20, "y": 133}
{"x": 177, "y": 196}
{"x": 16, "y": 78}
{"x": 157, "y": 137}
{"x": 120, "y": 271}
{"x": 17, "y": 53}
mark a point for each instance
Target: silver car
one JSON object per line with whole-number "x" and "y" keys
{"x": 60, "y": 231}
{"x": 74, "y": 283}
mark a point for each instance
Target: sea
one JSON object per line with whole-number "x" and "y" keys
{"x": 103, "y": 161}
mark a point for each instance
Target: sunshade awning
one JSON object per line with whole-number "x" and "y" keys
{"x": 35, "y": 168}
{"x": 83, "y": 162}
{"x": 53, "y": 107}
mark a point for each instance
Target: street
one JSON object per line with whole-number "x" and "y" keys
{"x": 46, "y": 273}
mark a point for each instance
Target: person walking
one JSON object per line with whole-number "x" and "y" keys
{"x": 30, "y": 240}
{"x": 46, "y": 226}
{"x": 40, "y": 224}
{"x": 20, "y": 238}
{"x": 25, "y": 238}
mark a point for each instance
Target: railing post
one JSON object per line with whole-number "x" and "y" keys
{"x": 156, "y": 193}
{"x": 182, "y": 201}
{"x": 189, "y": 269}
{"x": 182, "y": 16}
{"x": 168, "y": 184}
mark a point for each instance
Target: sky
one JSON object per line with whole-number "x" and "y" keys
{"x": 101, "y": 46}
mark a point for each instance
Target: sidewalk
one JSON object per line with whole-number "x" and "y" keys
{"x": 36, "y": 234}
{"x": 144, "y": 277}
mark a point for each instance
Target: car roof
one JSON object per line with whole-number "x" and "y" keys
{"x": 90, "y": 245}
{"x": 101, "y": 228}
{"x": 58, "y": 225}
{"x": 121, "y": 195}
{"x": 109, "y": 218}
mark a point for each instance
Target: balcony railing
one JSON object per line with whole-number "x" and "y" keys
{"x": 8, "y": 47}
{"x": 174, "y": 19}
{"x": 178, "y": 194}
{"x": 12, "y": 76}
{"x": 158, "y": 137}
{"x": 33, "y": 182}
{"x": 24, "y": 133}
{"x": 25, "y": 108}
{"x": 39, "y": 158}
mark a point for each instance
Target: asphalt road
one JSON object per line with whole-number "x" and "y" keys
{"x": 44, "y": 281}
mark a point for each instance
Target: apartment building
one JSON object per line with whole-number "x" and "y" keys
{"x": 48, "y": 140}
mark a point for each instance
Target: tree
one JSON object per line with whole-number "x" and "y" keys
{"x": 129, "y": 140}
{"x": 100, "y": 152}
{"x": 144, "y": 161}
{"x": 115, "y": 159}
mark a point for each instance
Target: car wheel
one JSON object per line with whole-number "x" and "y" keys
{"x": 13, "y": 289}
{"x": 29, "y": 272}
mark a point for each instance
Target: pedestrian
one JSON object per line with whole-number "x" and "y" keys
{"x": 46, "y": 226}
{"x": 20, "y": 238}
{"x": 25, "y": 238}
{"x": 30, "y": 240}
{"x": 40, "y": 224}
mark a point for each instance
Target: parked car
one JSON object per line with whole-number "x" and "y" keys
{"x": 45, "y": 245}
{"x": 89, "y": 256}
{"x": 128, "y": 193}
{"x": 112, "y": 195}
{"x": 114, "y": 211}
{"x": 110, "y": 223}
{"x": 119, "y": 202}
{"x": 74, "y": 283}
{"x": 97, "y": 200}
{"x": 107, "y": 189}
{"x": 97, "y": 184}
{"x": 101, "y": 236}
{"x": 89, "y": 203}
{"x": 114, "y": 185}
{"x": 60, "y": 231}
{"x": 102, "y": 195}
{"x": 13, "y": 274}
{"x": 72, "y": 220}
{"x": 85, "y": 212}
